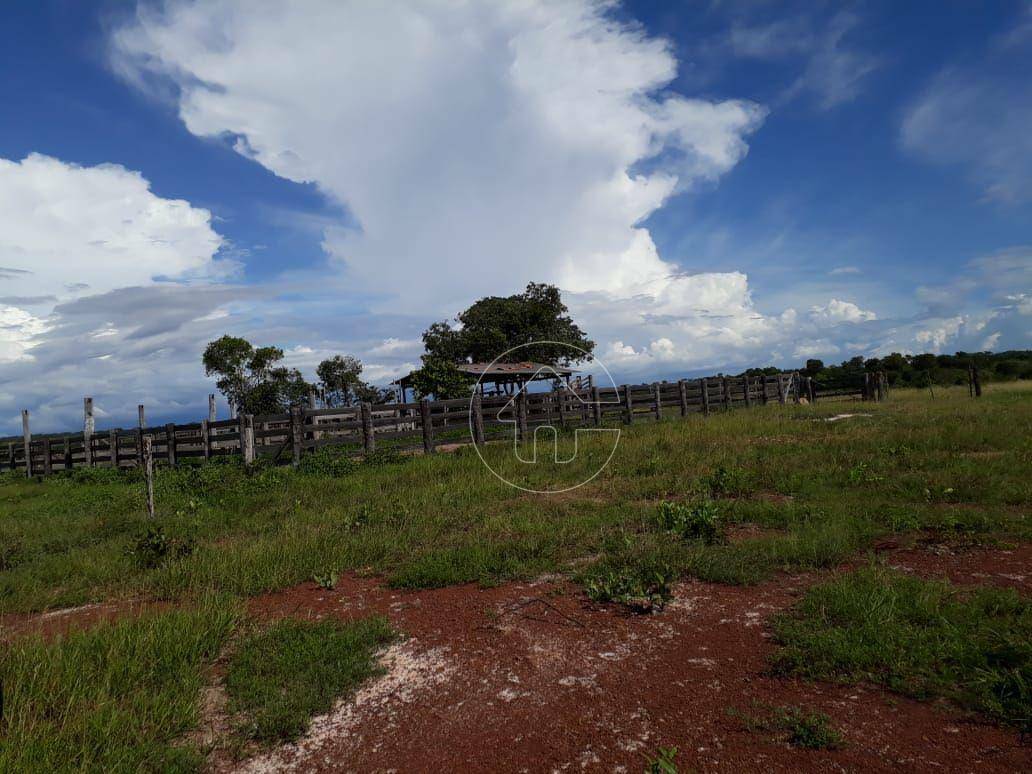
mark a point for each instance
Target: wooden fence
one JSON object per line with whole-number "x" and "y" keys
{"x": 422, "y": 425}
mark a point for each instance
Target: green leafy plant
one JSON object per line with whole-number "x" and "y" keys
{"x": 728, "y": 482}
{"x": 809, "y": 729}
{"x": 663, "y": 762}
{"x": 383, "y": 456}
{"x": 701, "y": 521}
{"x": 643, "y": 587}
{"x": 861, "y": 474}
{"x": 327, "y": 462}
{"x": 154, "y": 548}
{"x": 327, "y": 580}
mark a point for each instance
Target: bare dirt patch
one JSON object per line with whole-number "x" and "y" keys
{"x": 533, "y": 677}
{"x": 53, "y": 623}
{"x": 1009, "y": 566}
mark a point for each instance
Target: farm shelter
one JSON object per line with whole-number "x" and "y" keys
{"x": 500, "y": 378}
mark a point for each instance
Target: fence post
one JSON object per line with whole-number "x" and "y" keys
{"x": 67, "y": 453}
{"x": 628, "y": 405}
{"x": 205, "y": 440}
{"x": 478, "y": 419}
{"x": 596, "y": 405}
{"x": 211, "y": 406}
{"x": 764, "y": 381}
{"x": 978, "y": 384}
{"x": 148, "y": 473}
{"x": 726, "y": 388}
{"x": 781, "y": 389}
{"x": 247, "y": 441}
{"x": 560, "y": 404}
{"x": 682, "y": 390}
{"x": 10, "y": 454}
{"x": 745, "y": 392}
{"x": 87, "y": 431}
{"x": 141, "y": 423}
{"x": 658, "y": 395}
{"x": 296, "y": 433}
{"x": 27, "y": 440}
{"x": 114, "y": 447}
{"x": 48, "y": 465}
{"x": 368, "y": 436}
{"x": 426, "y": 421}
{"x": 521, "y": 412}
{"x": 170, "y": 443}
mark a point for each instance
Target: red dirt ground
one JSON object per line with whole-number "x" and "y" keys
{"x": 532, "y": 677}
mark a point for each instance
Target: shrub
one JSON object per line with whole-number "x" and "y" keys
{"x": 327, "y": 462}
{"x": 154, "y": 548}
{"x": 642, "y": 584}
{"x": 701, "y": 521}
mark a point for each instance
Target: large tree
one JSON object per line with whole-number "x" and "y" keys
{"x": 250, "y": 378}
{"x": 496, "y": 324}
{"x": 341, "y": 380}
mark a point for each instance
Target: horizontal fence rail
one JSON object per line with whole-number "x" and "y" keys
{"x": 417, "y": 426}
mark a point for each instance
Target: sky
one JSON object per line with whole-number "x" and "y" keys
{"x": 713, "y": 185}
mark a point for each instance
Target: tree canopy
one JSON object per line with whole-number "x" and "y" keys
{"x": 250, "y": 378}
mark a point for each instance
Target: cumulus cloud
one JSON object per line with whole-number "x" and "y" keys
{"x": 836, "y": 311}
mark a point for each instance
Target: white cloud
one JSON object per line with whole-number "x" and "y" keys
{"x": 844, "y": 270}
{"x": 67, "y": 230}
{"x": 836, "y": 311}
{"x": 479, "y": 146}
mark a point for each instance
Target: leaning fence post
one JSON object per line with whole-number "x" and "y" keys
{"x": 705, "y": 395}
{"x": 628, "y": 405}
{"x": 478, "y": 419}
{"x": 658, "y": 395}
{"x": 27, "y": 440}
{"x": 296, "y": 433}
{"x": 368, "y": 434}
{"x": 87, "y": 431}
{"x": 426, "y": 421}
{"x": 247, "y": 440}
{"x": 682, "y": 391}
{"x": 148, "y": 473}
{"x": 170, "y": 444}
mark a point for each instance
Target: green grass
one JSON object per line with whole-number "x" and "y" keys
{"x": 798, "y": 726}
{"x": 917, "y": 637}
{"x": 115, "y": 698}
{"x": 954, "y": 465}
{"x": 280, "y": 677}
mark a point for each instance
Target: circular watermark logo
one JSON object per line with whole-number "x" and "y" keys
{"x": 546, "y": 429}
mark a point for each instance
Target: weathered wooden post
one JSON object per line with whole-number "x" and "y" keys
{"x": 781, "y": 388}
{"x": 522, "y": 420}
{"x": 682, "y": 391}
{"x": 745, "y": 389}
{"x": 867, "y": 395}
{"x": 67, "y": 453}
{"x": 141, "y": 423}
{"x": 971, "y": 380}
{"x": 205, "y": 440}
{"x": 27, "y": 441}
{"x": 368, "y": 433}
{"x": 596, "y": 405}
{"x": 764, "y": 381}
{"x": 170, "y": 444}
{"x": 148, "y": 473}
{"x": 297, "y": 430}
{"x": 10, "y": 455}
{"x": 628, "y": 405}
{"x": 978, "y": 384}
{"x": 48, "y": 465}
{"x": 704, "y": 386}
{"x": 247, "y": 441}
{"x": 478, "y": 418}
{"x": 426, "y": 421}
{"x": 657, "y": 397}
{"x": 726, "y": 389}
{"x": 113, "y": 444}
{"x": 560, "y": 404}
{"x": 87, "y": 431}
{"x": 211, "y": 407}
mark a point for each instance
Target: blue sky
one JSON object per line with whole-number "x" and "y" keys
{"x": 713, "y": 185}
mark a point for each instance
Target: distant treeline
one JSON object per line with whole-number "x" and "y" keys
{"x": 920, "y": 370}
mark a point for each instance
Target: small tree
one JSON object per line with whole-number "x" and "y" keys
{"x": 339, "y": 377}
{"x": 439, "y": 377}
{"x": 250, "y": 378}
